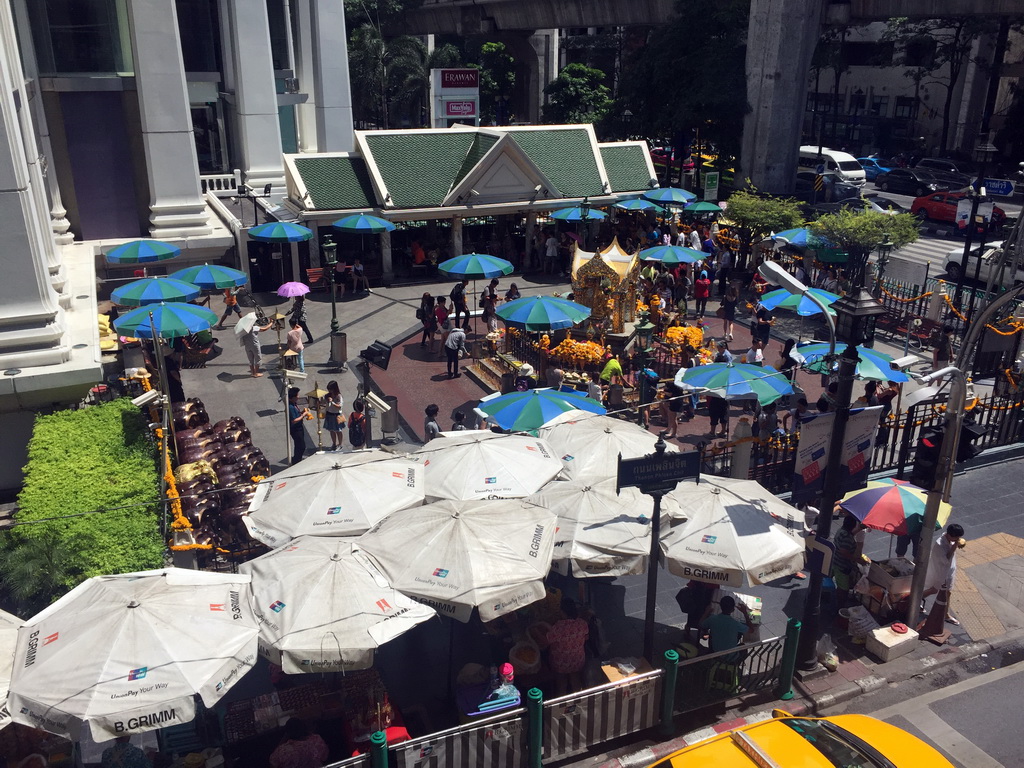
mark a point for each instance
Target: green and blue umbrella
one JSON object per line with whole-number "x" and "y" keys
{"x": 872, "y": 365}
{"x": 142, "y": 252}
{"x": 364, "y": 223}
{"x": 171, "y": 321}
{"x": 670, "y": 196}
{"x": 475, "y": 266}
{"x": 280, "y": 232}
{"x": 702, "y": 206}
{"x": 892, "y": 505}
{"x": 542, "y": 313}
{"x": 736, "y": 381}
{"x": 801, "y": 237}
{"x": 532, "y": 409}
{"x": 153, "y": 290}
{"x": 638, "y": 204}
{"x": 212, "y": 276}
{"x": 672, "y": 254}
{"x": 783, "y": 299}
{"x": 576, "y": 213}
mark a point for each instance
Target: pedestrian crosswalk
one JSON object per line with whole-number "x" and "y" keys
{"x": 924, "y": 259}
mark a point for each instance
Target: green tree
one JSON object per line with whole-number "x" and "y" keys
{"x": 691, "y": 76}
{"x": 577, "y": 95}
{"x": 377, "y": 12}
{"x": 859, "y": 233}
{"x": 414, "y": 91}
{"x": 381, "y": 68}
{"x": 497, "y": 81}
{"x": 757, "y": 216}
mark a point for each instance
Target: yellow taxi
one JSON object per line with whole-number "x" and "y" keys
{"x": 787, "y": 741}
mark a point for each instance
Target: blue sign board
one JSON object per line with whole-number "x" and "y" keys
{"x": 1001, "y": 187}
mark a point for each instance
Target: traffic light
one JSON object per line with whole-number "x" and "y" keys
{"x": 377, "y": 353}
{"x": 926, "y": 458}
{"x": 969, "y": 432}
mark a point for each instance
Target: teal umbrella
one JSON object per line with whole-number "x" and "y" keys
{"x": 801, "y": 237}
{"x": 577, "y": 213}
{"x": 736, "y": 381}
{"x": 364, "y": 223}
{"x": 532, "y": 409}
{"x": 670, "y": 196}
{"x": 872, "y": 365}
{"x": 142, "y": 252}
{"x": 171, "y": 321}
{"x": 803, "y": 306}
{"x": 212, "y": 276}
{"x": 639, "y": 204}
{"x": 153, "y": 290}
{"x": 280, "y": 232}
{"x": 672, "y": 254}
{"x": 542, "y": 313}
{"x": 702, "y": 206}
{"x": 475, "y": 265}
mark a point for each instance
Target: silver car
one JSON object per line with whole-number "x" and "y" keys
{"x": 990, "y": 254}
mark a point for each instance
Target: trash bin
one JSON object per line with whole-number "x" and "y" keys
{"x": 508, "y": 383}
{"x": 389, "y": 421}
{"x": 339, "y": 347}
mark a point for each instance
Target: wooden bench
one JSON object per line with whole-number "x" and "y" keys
{"x": 317, "y": 281}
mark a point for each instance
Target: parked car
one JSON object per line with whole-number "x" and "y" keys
{"x": 909, "y": 181}
{"x": 662, "y": 156}
{"x": 946, "y": 165}
{"x": 941, "y": 206}
{"x": 990, "y": 255}
{"x": 809, "y": 742}
{"x": 834, "y": 188}
{"x": 868, "y": 202}
{"x": 875, "y": 165}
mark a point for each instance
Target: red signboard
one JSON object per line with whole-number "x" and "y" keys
{"x": 460, "y": 108}
{"x": 460, "y": 78}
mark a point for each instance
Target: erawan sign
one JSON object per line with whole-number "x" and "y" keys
{"x": 454, "y": 97}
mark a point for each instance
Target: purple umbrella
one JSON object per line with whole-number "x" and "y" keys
{"x": 291, "y": 290}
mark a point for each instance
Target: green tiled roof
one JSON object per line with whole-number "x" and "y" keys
{"x": 626, "y": 168}
{"x": 336, "y": 182}
{"x": 564, "y": 156}
{"x": 419, "y": 168}
{"x": 481, "y": 144}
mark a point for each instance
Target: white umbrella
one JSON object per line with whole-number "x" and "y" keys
{"x": 589, "y": 445}
{"x": 332, "y": 494}
{"x": 600, "y": 533}
{"x": 730, "y": 536}
{"x": 9, "y": 624}
{"x": 127, "y": 654}
{"x": 323, "y": 607}
{"x": 485, "y": 465}
{"x": 459, "y": 555}
{"x": 245, "y": 323}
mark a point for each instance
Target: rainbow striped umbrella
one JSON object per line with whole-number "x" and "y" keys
{"x": 891, "y": 505}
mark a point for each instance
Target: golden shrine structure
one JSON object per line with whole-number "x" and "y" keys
{"x": 606, "y": 282}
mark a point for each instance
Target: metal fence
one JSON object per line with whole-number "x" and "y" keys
{"x": 359, "y": 761}
{"x": 572, "y": 724}
{"x": 717, "y": 677}
{"x": 499, "y": 742}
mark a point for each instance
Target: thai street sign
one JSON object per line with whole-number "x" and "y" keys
{"x": 656, "y": 473}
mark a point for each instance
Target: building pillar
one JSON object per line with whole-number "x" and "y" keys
{"x": 259, "y": 126}
{"x": 387, "y": 268}
{"x": 456, "y": 236}
{"x": 32, "y": 324}
{"x": 545, "y": 46}
{"x": 33, "y": 117}
{"x": 325, "y": 121}
{"x": 176, "y": 204}
{"x": 778, "y": 59}
{"x": 531, "y": 229}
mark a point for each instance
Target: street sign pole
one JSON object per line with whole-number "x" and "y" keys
{"x": 655, "y": 475}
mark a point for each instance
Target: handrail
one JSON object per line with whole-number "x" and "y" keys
{"x": 731, "y": 651}
{"x": 605, "y": 687}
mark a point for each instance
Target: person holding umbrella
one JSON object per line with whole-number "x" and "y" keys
{"x": 295, "y": 427}
{"x": 248, "y": 333}
{"x": 298, "y": 312}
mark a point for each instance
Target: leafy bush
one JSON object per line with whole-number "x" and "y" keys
{"x": 81, "y": 461}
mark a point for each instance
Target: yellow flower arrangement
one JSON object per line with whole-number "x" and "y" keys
{"x": 578, "y": 353}
{"x": 689, "y": 335}
{"x": 640, "y": 306}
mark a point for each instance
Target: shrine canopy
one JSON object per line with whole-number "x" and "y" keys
{"x": 614, "y": 256}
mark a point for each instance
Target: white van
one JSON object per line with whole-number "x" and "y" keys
{"x": 844, "y": 164}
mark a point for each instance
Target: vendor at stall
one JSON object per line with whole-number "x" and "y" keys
{"x": 725, "y": 630}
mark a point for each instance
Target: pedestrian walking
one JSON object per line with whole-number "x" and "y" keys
{"x": 296, "y": 428}
{"x": 298, "y": 312}
{"x": 942, "y": 564}
{"x": 727, "y": 310}
{"x": 459, "y": 306}
{"x": 333, "y": 419}
{"x": 701, "y": 293}
{"x": 459, "y": 421}
{"x": 428, "y": 318}
{"x": 718, "y": 410}
{"x": 230, "y": 305}
{"x": 357, "y": 425}
{"x": 250, "y": 341}
{"x": 454, "y": 348}
{"x": 295, "y": 344}
{"x": 431, "y": 428}
{"x": 488, "y": 302}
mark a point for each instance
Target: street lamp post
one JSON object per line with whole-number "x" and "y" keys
{"x": 585, "y": 218}
{"x": 884, "y": 250}
{"x": 643, "y": 337}
{"x": 330, "y": 251}
{"x": 983, "y": 152}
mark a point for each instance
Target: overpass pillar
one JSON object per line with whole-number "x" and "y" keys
{"x": 781, "y": 38}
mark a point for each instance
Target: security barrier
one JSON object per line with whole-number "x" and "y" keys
{"x": 360, "y": 761}
{"x": 496, "y": 743}
{"x": 716, "y": 677}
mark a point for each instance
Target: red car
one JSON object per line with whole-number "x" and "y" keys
{"x": 941, "y": 206}
{"x": 662, "y": 156}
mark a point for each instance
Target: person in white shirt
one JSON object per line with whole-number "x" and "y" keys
{"x": 695, "y": 242}
{"x": 754, "y": 355}
{"x": 550, "y": 254}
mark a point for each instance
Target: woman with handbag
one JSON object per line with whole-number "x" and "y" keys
{"x": 727, "y": 310}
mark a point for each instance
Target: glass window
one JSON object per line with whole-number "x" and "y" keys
{"x": 80, "y": 36}
{"x": 906, "y": 107}
{"x": 199, "y": 29}
{"x": 880, "y": 105}
{"x": 832, "y": 742}
{"x": 858, "y": 102}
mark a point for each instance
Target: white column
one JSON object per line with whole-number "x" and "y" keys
{"x": 456, "y": 236}
{"x": 176, "y": 203}
{"x": 32, "y": 116}
{"x": 324, "y": 66}
{"x": 255, "y": 95}
{"x": 305, "y": 114}
{"x": 31, "y": 320}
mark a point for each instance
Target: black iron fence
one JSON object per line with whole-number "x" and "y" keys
{"x": 717, "y": 677}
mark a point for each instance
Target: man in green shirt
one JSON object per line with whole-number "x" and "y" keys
{"x": 612, "y": 371}
{"x": 724, "y": 628}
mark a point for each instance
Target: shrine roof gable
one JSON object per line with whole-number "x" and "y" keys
{"x": 505, "y": 173}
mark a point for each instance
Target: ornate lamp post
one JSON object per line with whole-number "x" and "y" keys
{"x": 884, "y": 251}
{"x": 330, "y": 251}
{"x": 644, "y": 331}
